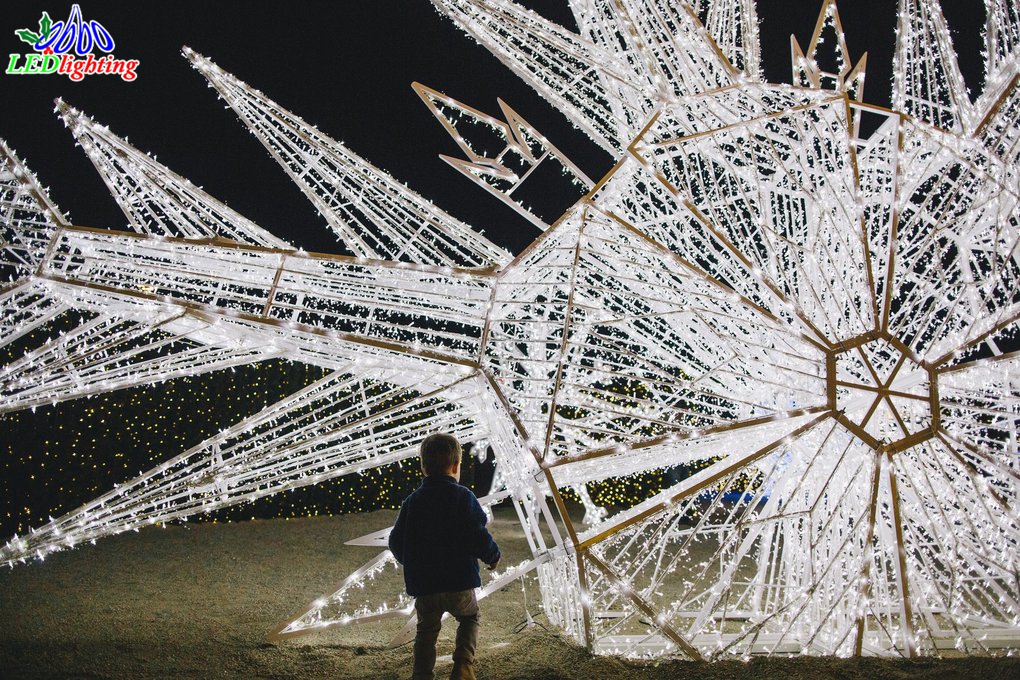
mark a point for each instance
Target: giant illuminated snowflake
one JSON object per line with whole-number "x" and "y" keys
{"x": 806, "y": 300}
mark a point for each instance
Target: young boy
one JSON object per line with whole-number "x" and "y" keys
{"x": 439, "y": 537}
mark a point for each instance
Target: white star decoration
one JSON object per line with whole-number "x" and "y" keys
{"x": 806, "y": 299}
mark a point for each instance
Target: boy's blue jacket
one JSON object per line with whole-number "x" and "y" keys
{"x": 439, "y": 537}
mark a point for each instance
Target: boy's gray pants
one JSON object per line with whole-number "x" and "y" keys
{"x": 463, "y": 606}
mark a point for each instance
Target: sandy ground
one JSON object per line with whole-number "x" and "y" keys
{"x": 197, "y": 601}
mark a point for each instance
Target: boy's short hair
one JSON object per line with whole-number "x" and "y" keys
{"x": 439, "y": 453}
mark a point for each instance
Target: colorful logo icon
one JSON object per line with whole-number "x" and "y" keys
{"x": 66, "y": 47}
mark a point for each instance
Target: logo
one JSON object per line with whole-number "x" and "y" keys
{"x": 66, "y": 47}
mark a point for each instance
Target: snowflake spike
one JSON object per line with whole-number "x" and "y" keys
{"x": 373, "y": 214}
{"x": 331, "y": 433}
{"x": 260, "y": 292}
{"x": 609, "y": 79}
{"x": 514, "y": 143}
{"x": 927, "y": 81}
{"x": 804, "y": 63}
{"x": 155, "y": 199}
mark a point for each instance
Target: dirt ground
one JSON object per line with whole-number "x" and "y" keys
{"x": 197, "y": 601}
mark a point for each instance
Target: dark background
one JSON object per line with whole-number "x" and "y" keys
{"x": 345, "y": 66}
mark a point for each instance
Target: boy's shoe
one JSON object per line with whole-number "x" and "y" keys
{"x": 463, "y": 670}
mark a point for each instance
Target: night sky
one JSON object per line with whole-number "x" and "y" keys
{"x": 345, "y": 66}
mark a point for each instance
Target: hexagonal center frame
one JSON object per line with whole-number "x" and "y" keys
{"x": 882, "y": 392}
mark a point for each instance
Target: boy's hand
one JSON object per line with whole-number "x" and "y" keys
{"x": 492, "y": 566}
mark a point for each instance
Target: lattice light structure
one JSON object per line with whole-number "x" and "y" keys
{"x": 807, "y": 303}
